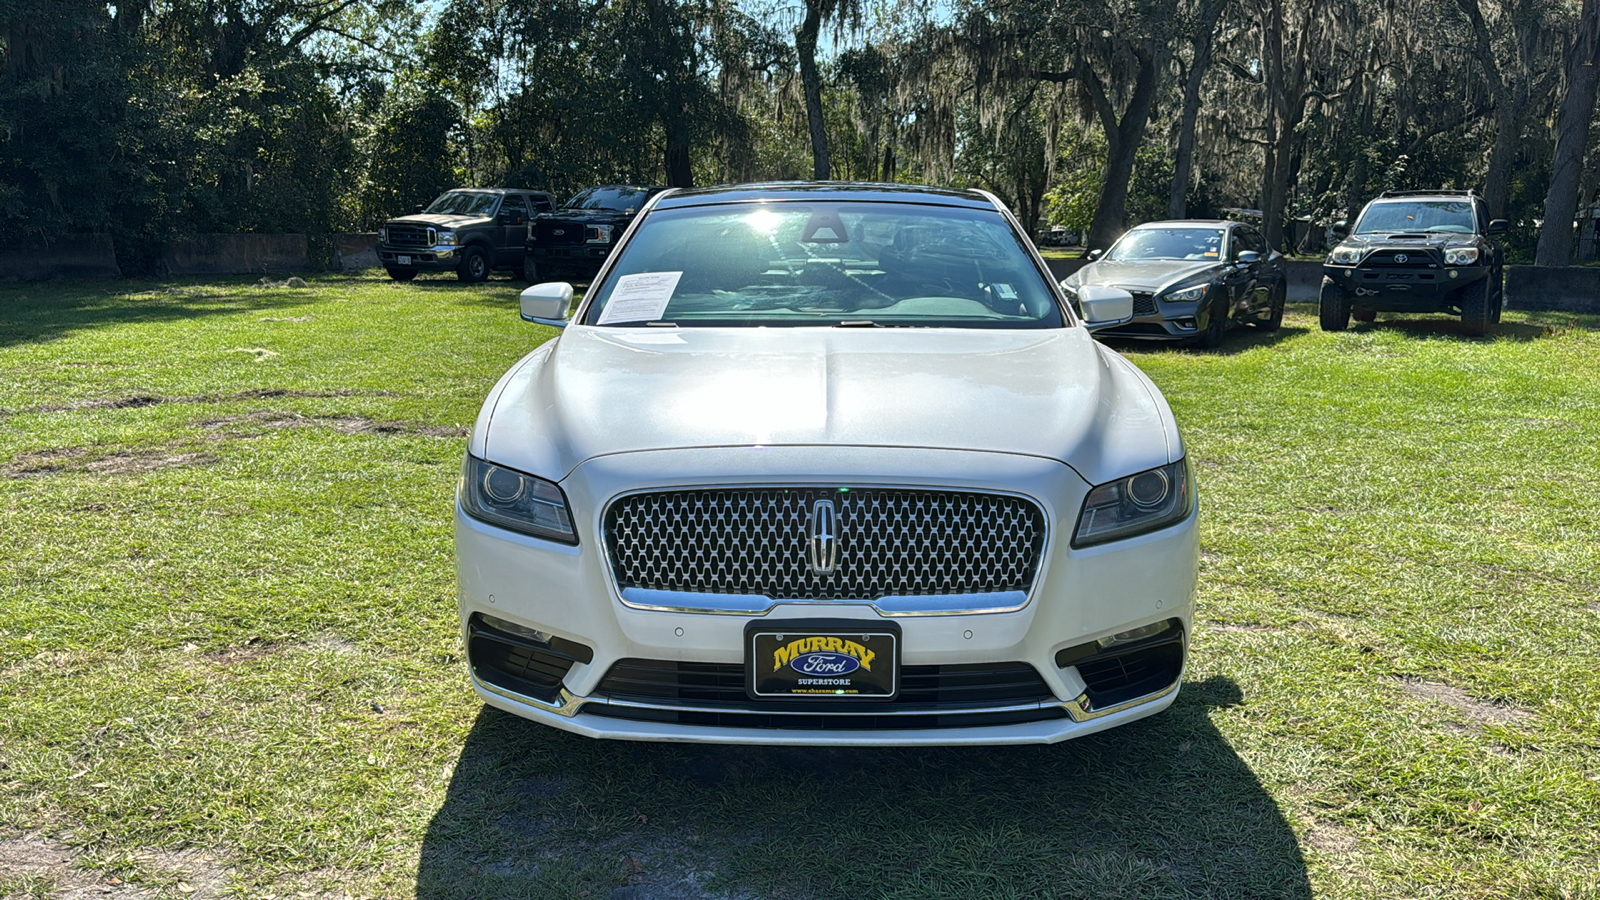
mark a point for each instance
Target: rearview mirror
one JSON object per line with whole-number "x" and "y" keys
{"x": 1105, "y": 307}
{"x": 547, "y": 304}
{"x": 1499, "y": 226}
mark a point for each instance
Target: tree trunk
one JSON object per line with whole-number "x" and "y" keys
{"x": 1123, "y": 139}
{"x": 1205, "y": 32}
{"x": 680, "y": 172}
{"x": 805, "y": 45}
{"x": 1572, "y": 139}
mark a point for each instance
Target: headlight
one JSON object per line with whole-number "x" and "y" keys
{"x": 1344, "y": 256}
{"x": 597, "y": 234}
{"x": 447, "y": 237}
{"x": 1187, "y": 295}
{"x": 383, "y": 235}
{"x": 1460, "y": 256}
{"x": 1134, "y": 505}
{"x": 510, "y": 499}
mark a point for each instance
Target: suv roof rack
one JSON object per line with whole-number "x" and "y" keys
{"x": 1440, "y": 192}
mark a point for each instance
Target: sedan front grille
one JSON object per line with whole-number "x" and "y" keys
{"x": 1143, "y": 304}
{"x": 890, "y": 542}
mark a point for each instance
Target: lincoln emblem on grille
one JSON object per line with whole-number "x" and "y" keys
{"x": 822, "y": 550}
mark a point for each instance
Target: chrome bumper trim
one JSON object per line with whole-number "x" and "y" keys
{"x": 760, "y": 604}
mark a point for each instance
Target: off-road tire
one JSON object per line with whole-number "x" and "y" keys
{"x": 530, "y": 269}
{"x": 402, "y": 274}
{"x": 1477, "y": 308}
{"x": 1499, "y": 295}
{"x": 474, "y": 266}
{"x": 1274, "y": 319}
{"x": 1333, "y": 307}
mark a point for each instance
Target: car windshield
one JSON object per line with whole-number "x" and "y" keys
{"x": 1414, "y": 216}
{"x": 826, "y": 263}
{"x": 1168, "y": 243}
{"x": 464, "y": 203}
{"x": 614, "y": 199}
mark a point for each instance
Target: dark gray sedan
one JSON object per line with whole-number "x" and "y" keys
{"x": 1191, "y": 280}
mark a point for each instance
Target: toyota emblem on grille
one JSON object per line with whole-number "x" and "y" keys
{"x": 822, "y": 549}
{"x": 1401, "y": 258}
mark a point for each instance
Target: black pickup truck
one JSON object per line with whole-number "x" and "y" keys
{"x": 1416, "y": 252}
{"x": 469, "y": 231}
{"x": 576, "y": 239}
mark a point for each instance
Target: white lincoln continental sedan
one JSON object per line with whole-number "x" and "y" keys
{"x": 826, "y": 464}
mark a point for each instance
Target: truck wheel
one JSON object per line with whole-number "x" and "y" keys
{"x": 1274, "y": 319}
{"x": 402, "y": 274}
{"x": 530, "y": 270}
{"x": 1333, "y": 307}
{"x": 1477, "y": 308}
{"x": 1499, "y": 295}
{"x": 474, "y": 266}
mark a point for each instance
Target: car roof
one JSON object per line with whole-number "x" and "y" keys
{"x": 1188, "y": 223}
{"x": 823, "y": 190}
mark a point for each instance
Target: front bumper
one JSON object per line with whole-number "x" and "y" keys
{"x": 1405, "y": 289}
{"x": 581, "y": 258}
{"x": 1078, "y": 598}
{"x": 443, "y": 257}
{"x": 1157, "y": 319}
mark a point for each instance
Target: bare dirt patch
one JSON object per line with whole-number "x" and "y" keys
{"x": 348, "y": 424}
{"x": 41, "y": 463}
{"x": 138, "y": 401}
{"x": 1482, "y": 712}
{"x": 1240, "y": 627}
{"x": 1334, "y": 840}
{"x": 192, "y": 872}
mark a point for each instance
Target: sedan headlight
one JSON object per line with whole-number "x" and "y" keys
{"x": 1143, "y": 502}
{"x": 1187, "y": 295}
{"x": 447, "y": 237}
{"x": 510, "y": 499}
{"x": 1460, "y": 256}
{"x": 1344, "y": 256}
{"x": 597, "y": 234}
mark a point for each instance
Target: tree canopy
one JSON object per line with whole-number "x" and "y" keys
{"x": 149, "y": 120}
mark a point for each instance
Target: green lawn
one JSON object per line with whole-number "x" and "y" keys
{"x": 228, "y": 662}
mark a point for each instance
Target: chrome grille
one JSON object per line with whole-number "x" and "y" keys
{"x": 410, "y": 236}
{"x": 891, "y": 541}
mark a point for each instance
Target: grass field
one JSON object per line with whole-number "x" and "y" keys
{"x": 229, "y": 666}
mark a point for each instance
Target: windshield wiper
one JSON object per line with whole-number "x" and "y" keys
{"x": 859, "y": 323}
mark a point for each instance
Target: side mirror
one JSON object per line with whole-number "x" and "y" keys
{"x": 1341, "y": 231}
{"x": 416, "y": 210}
{"x": 1499, "y": 226}
{"x": 1105, "y": 307}
{"x": 1095, "y": 254}
{"x": 547, "y": 304}
{"x": 1248, "y": 257}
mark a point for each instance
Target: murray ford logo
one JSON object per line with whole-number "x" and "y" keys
{"x": 823, "y": 656}
{"x": 822, "y": 545}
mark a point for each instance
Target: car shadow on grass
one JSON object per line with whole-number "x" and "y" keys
{"x": 1236, "y": 341}
{"x": 1160, "y": 807}
{"x": 37, "y": 312}
{"x": 1440, "y": 327}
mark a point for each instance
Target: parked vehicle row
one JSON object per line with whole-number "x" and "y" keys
{"x": 476, "y": 231}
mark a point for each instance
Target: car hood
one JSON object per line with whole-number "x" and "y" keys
{"x": 586, "y": 215}
{"x": 1142, "y": 275}
{"x": 1054, "y": 393}
{"x": 439, "y": 220}
{"x": 1416, "y": 241}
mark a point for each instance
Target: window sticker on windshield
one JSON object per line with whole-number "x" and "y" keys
{"x": 640, "y": 298}
{"x": 1005, "y": 291}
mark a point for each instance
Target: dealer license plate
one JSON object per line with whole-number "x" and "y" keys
{"x": 822, "y": 661}
{"x": 405, "y": 260}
